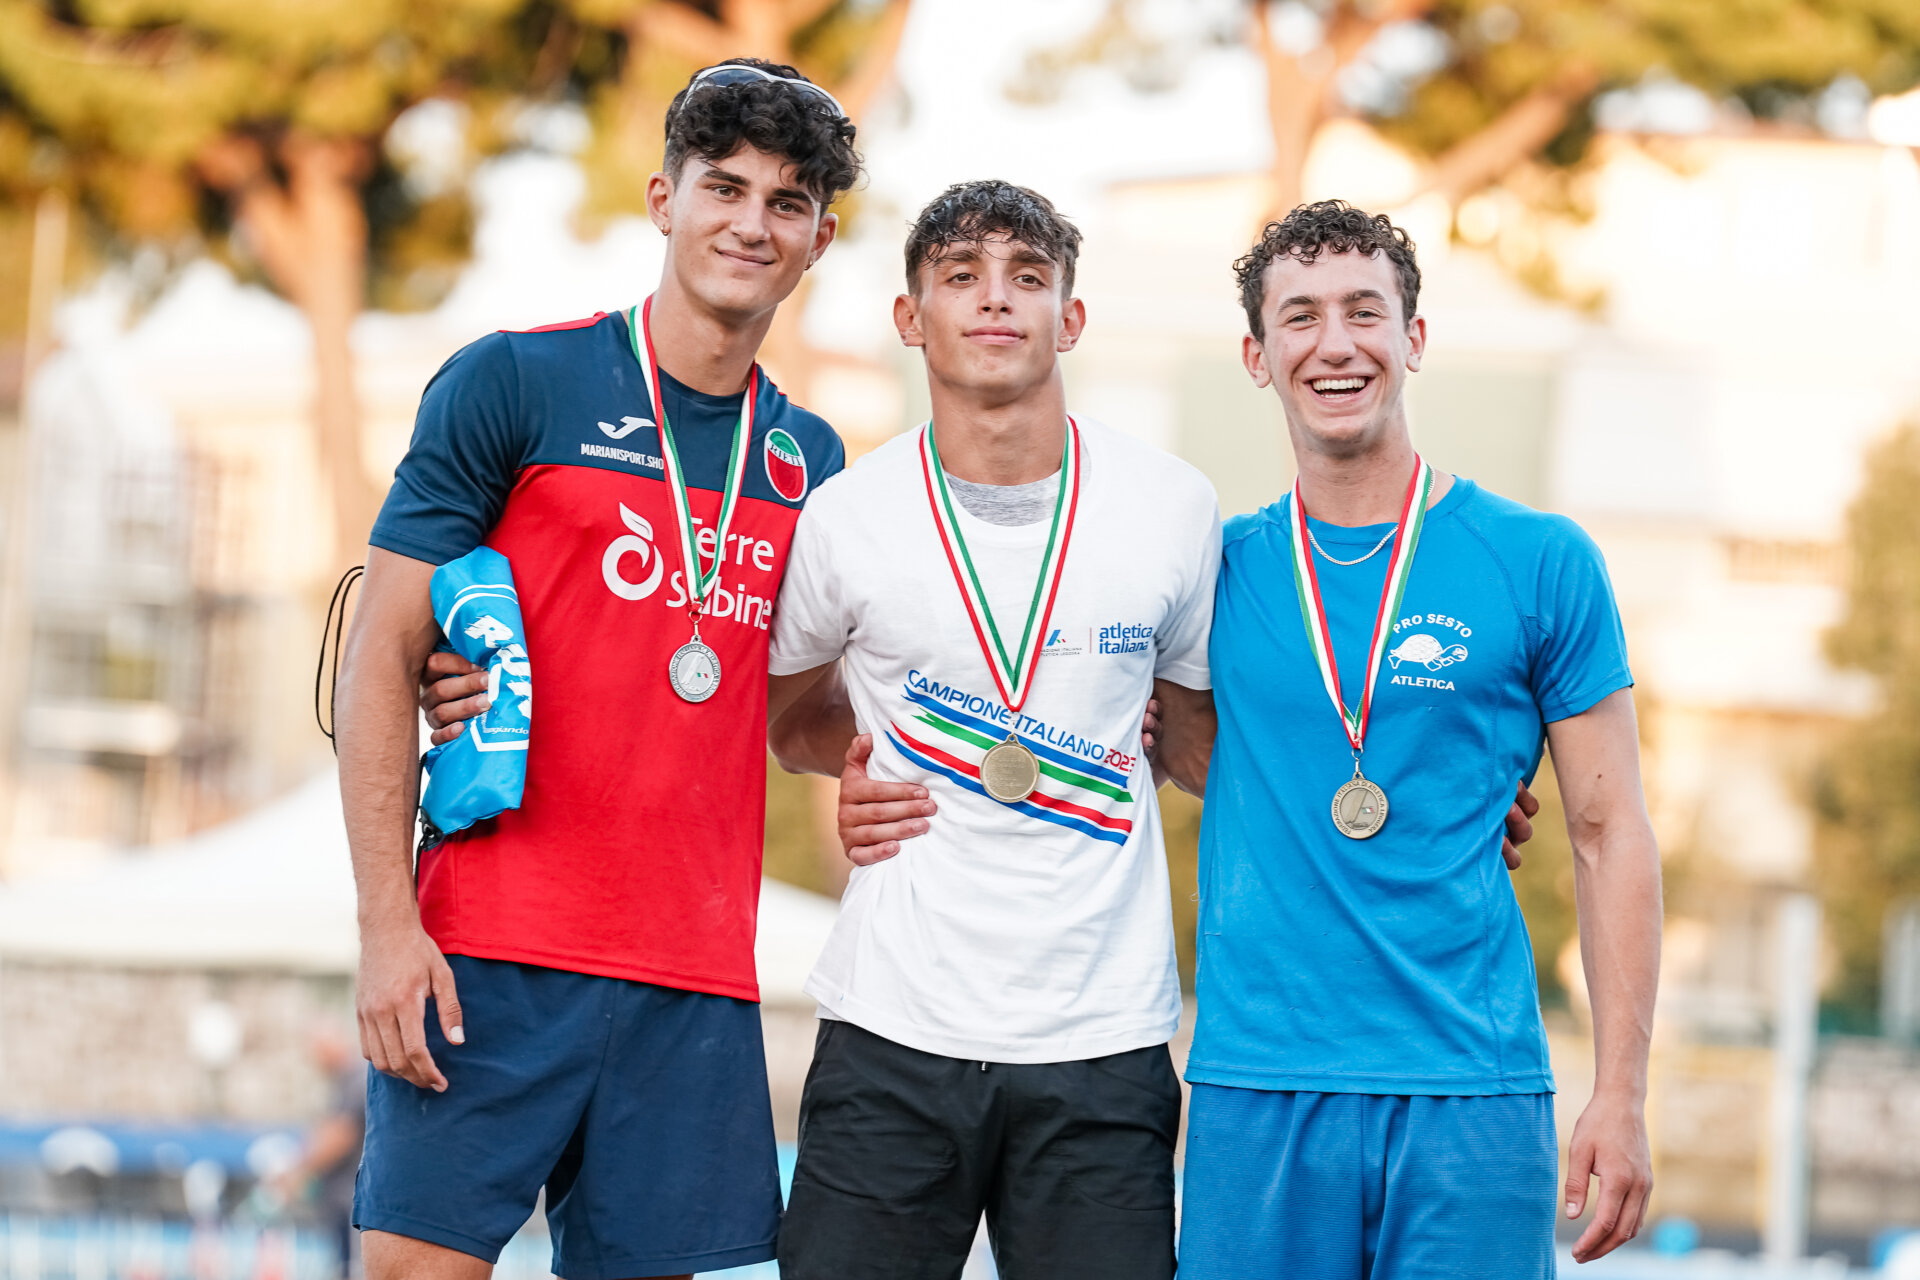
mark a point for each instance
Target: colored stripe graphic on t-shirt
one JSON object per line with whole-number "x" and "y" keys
{"x": 1059, "y": 773}
{"x": 1034, "y": 744}
{"x": 1064, "y": 797}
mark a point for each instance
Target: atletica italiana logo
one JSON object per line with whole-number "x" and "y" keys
{"x": 786, "y": 466}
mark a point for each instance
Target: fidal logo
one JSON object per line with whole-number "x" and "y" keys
{"x": 638, "y": 543}
{"x": 786, "y": 465}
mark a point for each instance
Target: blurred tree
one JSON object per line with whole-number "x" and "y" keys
{"x": 1544, "y": 887}
{"x": 790, "y": 850}
{"x": 258, "y": 131}
{"x": 1180, "y": 821}
{"x": 846, "y": 46}
{"x": 1866, "y": 803}
{"x": 1482, "y": 86}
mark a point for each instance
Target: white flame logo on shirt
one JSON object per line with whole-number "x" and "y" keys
{"x": 640, "y": 543}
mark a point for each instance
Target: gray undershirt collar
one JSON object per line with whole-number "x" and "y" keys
{"x": 1010, "y": 505}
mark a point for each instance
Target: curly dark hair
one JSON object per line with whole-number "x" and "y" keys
{"x": 969, "y": 212}
{"x": 712, "y": 120}
{"x": 1325, "y": 226}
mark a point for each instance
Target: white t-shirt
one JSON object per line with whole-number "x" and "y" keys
{"x": 1037, "y": 932}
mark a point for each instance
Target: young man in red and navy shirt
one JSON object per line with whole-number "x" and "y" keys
{"x": 597, "y": 942}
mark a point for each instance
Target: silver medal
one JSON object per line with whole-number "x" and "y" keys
{"x": 694, "y": 670}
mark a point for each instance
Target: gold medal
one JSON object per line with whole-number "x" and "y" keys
{"x": 1010, "y": 771}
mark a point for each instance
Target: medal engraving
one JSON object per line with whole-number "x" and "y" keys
{"x": 1359, "y": 809}
{"x": 1010, "y": 772}
{"x": 694, "y": 671}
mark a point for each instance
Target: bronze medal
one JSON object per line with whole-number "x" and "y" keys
{"x": 1359, "y": 806}
{"x": 1359, "y": 809}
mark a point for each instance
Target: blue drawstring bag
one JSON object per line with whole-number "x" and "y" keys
{"x": 482, "y": 772}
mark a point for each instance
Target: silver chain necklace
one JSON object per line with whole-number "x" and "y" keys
{"x": 1376, "y": 546}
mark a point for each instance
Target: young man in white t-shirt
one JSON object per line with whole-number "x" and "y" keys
{"x": 1000, "y": 592}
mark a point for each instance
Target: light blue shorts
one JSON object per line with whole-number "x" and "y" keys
{"x": 1355, "y": 1186}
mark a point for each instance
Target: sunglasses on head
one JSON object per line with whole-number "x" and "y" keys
{"x": 736, "y": 73}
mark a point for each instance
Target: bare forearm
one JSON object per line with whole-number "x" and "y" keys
{"x": 1617, "y": 893}
{"x": 810, "y": 722}
{"x": 1616, "y": 888}
{"x": 1616, "y": 883}
{"x": 1187, "y": 725}
{"x": 1187, "y": 769}
{"x": 379, "y": 788}
{"x": 378, "y": 737}
{"x": 822, "y": 748}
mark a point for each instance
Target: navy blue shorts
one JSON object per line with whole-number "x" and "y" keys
{"x": 1355, "y": 1186}
{"x": 642, "y": 1110}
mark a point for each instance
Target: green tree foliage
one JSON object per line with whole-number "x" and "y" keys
{"x": 1544, "y": 887}
{"x": 848, "y": 46}
{"x": 1180, "y": 822}
{"x": 792, "y": 850}
{"x": 255, "y": 129}
{"x": 1520, "y": 76}
{"x": 1493, "y": 84}
{"x": 1867, "y": 791}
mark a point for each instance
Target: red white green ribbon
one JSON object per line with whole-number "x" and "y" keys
{"x": 1012, "y": 671}
{"x": 699, "y": 579}
{"x": 1313, "y": 612}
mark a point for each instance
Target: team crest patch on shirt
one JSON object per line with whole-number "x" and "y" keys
{"x": 786, "y": 465}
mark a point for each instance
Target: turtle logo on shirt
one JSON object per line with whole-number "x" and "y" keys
{"x": 1428, "y": 652}
{"x": 786, "y": 465}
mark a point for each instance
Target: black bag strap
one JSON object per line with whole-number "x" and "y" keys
{"x": 332, "y": 636}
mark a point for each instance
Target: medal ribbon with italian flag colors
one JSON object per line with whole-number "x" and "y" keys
{"x": 1012, "y": 672}
{"x": 1406, "y": 538}
{"x": 699, "y": 579}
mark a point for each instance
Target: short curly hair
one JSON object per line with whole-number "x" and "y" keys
{"x": 712, "y": 120}
{"x": 1325, "y": 226}
{"x": 969, "y": 212}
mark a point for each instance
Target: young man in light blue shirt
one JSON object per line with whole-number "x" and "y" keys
{"x": 1372, "y": 1093}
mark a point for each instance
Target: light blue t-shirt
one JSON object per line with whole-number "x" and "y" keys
{"x": 1398, "y": 964}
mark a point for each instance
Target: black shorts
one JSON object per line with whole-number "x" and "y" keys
{"x": 902, "y": 1151}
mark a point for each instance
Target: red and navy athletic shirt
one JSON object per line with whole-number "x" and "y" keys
{"x": 636, "y": 850}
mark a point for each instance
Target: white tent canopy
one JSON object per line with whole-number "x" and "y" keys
{"x": 274, "y": 890}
